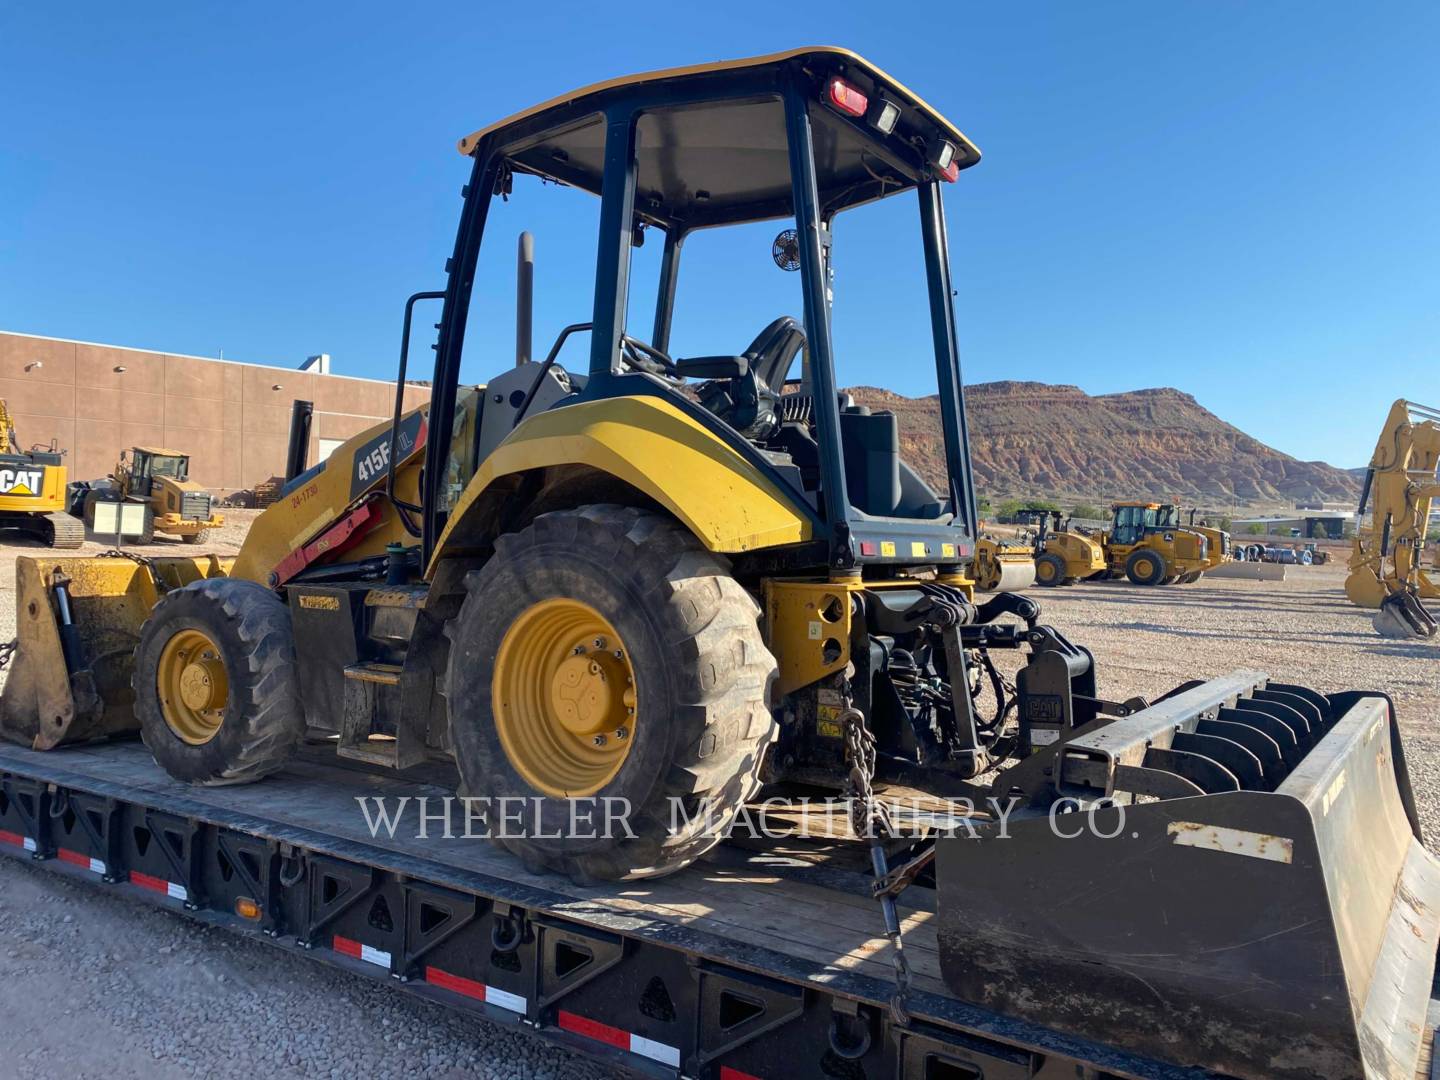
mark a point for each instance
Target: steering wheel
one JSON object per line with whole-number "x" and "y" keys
{"x": 642, "y": 357}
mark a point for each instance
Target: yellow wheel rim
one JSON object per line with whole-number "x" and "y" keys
{"x": 1149, "y": 568}
{"x": 1046, "y": 571}
{"x": 564, "y": 698}
{"x": 193, "y": 686}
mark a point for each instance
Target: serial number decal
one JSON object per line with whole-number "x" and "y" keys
{"x": 320, "y": 603}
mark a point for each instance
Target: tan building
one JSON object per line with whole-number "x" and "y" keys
{"x": 232, "y": 418}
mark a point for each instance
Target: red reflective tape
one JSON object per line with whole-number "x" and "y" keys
{"x": 457, "y": 983}
{"x": 593, "y": 1029}
{"x": 727, "y": 1073}
{"x": 74, "y": 858}
{"x": 12, "y": 838}
{"x": 154, "y": 884}
{"x": 347, "y": 947}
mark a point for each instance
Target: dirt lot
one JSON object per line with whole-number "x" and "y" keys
{"x": 92, "y": 986}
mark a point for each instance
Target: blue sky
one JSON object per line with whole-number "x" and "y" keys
{"x": 1240, "y": 200}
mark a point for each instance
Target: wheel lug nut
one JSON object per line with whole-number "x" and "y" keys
{"x": 622, "y": 733}
{"x": 599, "y": 643}
{"x": 619, "y": 654}
{"x": 599, "y": 740}
{"x": 579, "y": 650}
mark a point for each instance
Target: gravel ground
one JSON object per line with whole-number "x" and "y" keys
{"x": 92, "y": 985}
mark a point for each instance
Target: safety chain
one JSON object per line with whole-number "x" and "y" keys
{"x": 143, "y": 560}
{"x": 871, "y": 820}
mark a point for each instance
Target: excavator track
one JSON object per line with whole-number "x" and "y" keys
{"x": 64, "y": 531}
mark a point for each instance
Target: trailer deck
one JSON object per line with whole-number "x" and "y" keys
{"x": 754, "y": 962}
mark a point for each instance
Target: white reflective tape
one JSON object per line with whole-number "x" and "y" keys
{"x": 176, "y": 892}
{"x": 27, "y": 843}
{"x": 97, "y": 867}
{"x": 504, "y": 999}
{"x": 1232, "y": 841}
{"x": 1336, "y": 786}
{"x": 379, "y": 957}
{"x": 655, "y": 1051}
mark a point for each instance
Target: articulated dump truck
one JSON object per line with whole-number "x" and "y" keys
{"x": 684, "y": 580}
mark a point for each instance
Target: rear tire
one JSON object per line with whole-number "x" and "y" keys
{"x": 247, "y": 668}
{"x": 701, "y": 674}
{"x": 1145, "y": 567}
{"x": 1050, "y": 570}
{"x": 197, "y": 537}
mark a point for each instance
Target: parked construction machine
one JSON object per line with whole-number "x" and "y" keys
{"x": 588, "y": 584}
{"x": 33, "y": 490}
{"x": 1217, "y": 541}
{"x": 159, "y": 478}
{"x": 1387, "y": 560}
{"x": 1063, "y": 556}
{"x": 1003, "y": 565}
{"x": 1146, "y": 543}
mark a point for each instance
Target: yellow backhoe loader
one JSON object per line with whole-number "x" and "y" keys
{"x": 1387, "y": 560}
{"x": 664, "y": 581}
{"x": 159, "y": 478}
{"x": 33, "y": 491}
{"x": 1146, "y": 544}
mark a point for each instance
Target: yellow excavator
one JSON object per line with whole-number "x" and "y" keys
{"x": 33, "y": 491}
{"x": 657, "y": 582}
{"x": 1387, "y": 559}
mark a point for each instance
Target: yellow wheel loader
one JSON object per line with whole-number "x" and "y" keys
{"x": 33, "y": 491}
{"x": 159, "y": 478}
{"x": 662, "y": 581}
{"x": 1217, "y": 541}
{"x": 1387, "y": 560}
{"x": 1140, "y": 546}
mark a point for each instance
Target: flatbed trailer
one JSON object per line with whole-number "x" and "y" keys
{"x": 753, "y": 963}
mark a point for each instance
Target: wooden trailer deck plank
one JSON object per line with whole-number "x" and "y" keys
{"x": 825, "y": 927}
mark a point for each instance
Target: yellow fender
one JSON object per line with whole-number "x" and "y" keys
{"x": 650, "y": 444}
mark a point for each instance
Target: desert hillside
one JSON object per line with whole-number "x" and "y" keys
{"x": 1032, "y": 439}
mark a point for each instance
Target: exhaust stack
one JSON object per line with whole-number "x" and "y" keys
{"x": 301, "y": 414}
{"x": 524, "y": 297}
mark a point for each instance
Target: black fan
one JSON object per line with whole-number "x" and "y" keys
{"x": 786, "y": 250}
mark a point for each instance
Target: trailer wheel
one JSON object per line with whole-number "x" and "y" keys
{"x": 214, "y": 682}
{"x": 1050, "y": 570}
{"x": 603, "y": 661}
{"x": 1145, "y": 567}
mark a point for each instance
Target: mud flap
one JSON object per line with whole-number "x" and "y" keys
{"x": 1278, "y": 933}
{"x": 69, "y": 681}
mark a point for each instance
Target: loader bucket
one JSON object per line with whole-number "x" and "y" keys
{"x": 1276, "y": 921}
{"x": 77, "y": 623}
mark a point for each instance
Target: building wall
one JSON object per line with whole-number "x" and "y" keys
{"x": 229, "y": 416}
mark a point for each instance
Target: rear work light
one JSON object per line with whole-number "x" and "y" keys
{"x": 846, "y": 98}
{"x": 884, "y": 116}
{"x": 943, "y": 157}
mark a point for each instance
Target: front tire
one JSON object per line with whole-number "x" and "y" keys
{"x": 535, "y": 715}
{"x": 215, "y": 684}
{"x": 1145, "y": 567}
{"x": 1050, "y": 570}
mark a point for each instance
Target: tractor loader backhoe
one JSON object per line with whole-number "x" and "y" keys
{"x": 1387, "y": 559}
{"x": 669, "y": 580}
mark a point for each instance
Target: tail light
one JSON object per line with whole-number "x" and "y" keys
{"x": 846, "y": 98}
